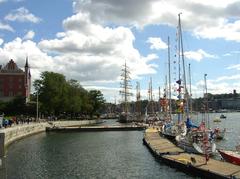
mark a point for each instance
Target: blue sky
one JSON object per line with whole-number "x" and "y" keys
{"x": 89, "y": 40}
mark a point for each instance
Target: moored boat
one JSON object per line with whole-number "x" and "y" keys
{"x": 217, "y": 120}
{"x": 124, "y": 118}
{"x": 230, "y": 156}
{"x": 222, "y": 116}
{"x": 197, "y": 141}
{"x": 218, "y": 133}
{"x": 171, "y": 130}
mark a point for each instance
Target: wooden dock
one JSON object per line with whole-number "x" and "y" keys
{"x": 95, "y": 128}
{"x": 193, "y": 164}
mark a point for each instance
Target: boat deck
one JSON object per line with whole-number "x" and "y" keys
{"x": 192, "y": 163}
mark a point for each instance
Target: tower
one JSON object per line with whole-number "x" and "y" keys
{"x": 27, "y": 80}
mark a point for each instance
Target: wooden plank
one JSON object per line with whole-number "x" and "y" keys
{"x": 216, "y": 166}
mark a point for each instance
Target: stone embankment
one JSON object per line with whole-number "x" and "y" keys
{"x": 9, "y": 135}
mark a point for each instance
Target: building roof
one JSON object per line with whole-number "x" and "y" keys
{"x": 11, "y": 67}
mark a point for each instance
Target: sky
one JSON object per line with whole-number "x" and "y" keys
{"x": 90, "y": 40}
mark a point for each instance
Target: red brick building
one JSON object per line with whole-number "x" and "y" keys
{"x": 14, "y": 81}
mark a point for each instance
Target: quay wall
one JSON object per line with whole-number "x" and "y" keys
{"x": 9, "y": 135}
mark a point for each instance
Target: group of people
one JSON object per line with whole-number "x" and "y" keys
{"x": 8, "y": 122}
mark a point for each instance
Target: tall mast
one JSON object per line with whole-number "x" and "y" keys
{"x": 179, "y": 81}
{"x": 126, "y": 86}
{"x": 159, "y": 99}
{"x": 190, "y": 87}
{"x": 206, "y": 98}
{"x": 183, "y": 64}
{"x": 169, "y": 81}
{"x": 151, "y": 95}
{"x": 138, "y": 98}
{"x": 165, "y": 98}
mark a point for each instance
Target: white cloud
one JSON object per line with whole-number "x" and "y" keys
{"x": 85, "y": 51}
{"x": 94, "y": 52}
{"x": 1, "y": 41}
{"x": 211, "y": 20}
{"x": 198, "y": 55}
{"x": 213, "y": 88}
{"x": 231, "y": 53}
{"x": 219, "y": 85}
{"x": 18, "y": 50}
{"x": 225, "y": 30}
{"x": 156, "y": 43}
{"x": 29, "y": 35}
{"x": 22, "y": 15}
{"x": 6, "y": 27}
{"x": 213, "y": 3}
{"x": 228, "y": 78}
{"x": 227, "y": 54}
{"x": 237, "y": 67}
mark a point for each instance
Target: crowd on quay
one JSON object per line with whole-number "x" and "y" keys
{"x": 16, "y": 120}
{"x": 10, "y": 121}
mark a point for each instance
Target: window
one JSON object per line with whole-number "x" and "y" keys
{"x": 19, "y": 93}
{"x": 10, "y": 93}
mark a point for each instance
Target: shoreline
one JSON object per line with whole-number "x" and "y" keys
{"x": 20, "y": 131}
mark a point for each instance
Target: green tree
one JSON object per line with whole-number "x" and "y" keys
{"x": 96, "y": 101}
{"x": 73, "y": 98}
{"x": 58, "y": 96}
{"x": 51, "y": 88}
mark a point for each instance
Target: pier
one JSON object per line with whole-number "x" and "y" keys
{"x": 94, "y": 128}
{"x": 193, "y": 164}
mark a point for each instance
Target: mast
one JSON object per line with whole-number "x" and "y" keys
{"x": 138, "y": 98}
{"x": 183, "y": 64}
{"x": 206, "y": 99}
{"x": 190, "y": 87}
{"x": 165, "y": 98}
{"x": 151, "y": 96}
{"x": 126, "y": 86}
{"x": 159, "y": 99}
{"x": 169, "y": 81}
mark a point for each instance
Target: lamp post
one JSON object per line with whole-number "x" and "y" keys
{"x": 37, "y": 109}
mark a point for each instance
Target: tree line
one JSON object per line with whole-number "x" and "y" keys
{"x": 57, "y": 97}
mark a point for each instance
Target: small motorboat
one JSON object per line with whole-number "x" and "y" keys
{"x": 222, "y": 116}
{"x": 230, "y": 156}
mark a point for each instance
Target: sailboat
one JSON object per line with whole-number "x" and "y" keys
{"x": 125, "y": 116}
{"x": 150, "y": 116}
{"x": 197, "y": 138}
{"x": 215, "y": 133}
{"x": 169, "y": 129}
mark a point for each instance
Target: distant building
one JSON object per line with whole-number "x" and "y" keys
{"x": 14, "y": 81}
{"x": 232, "y": 103}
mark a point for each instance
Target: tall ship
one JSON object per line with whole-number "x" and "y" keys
{"x": 125, "y": 85}
{"x": 197, "y": 139}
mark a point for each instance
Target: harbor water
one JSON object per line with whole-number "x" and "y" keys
{"x": 98, "y": 154}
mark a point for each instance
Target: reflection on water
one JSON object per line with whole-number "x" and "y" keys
{"x": 98, "y": 154}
